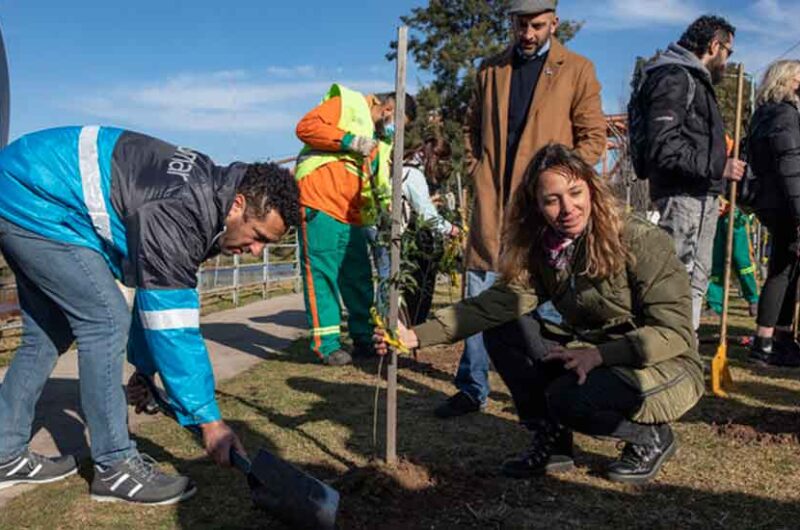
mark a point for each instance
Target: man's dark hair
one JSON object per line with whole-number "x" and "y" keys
{"x": 411, "y": 103}
{"x": 698, "y": 36}
{"x": 267, "y": 187}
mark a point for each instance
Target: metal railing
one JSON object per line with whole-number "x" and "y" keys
{"x": 278, "y": 267}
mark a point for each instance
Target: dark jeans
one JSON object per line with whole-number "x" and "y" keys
{"x": 602, "y": 406}
{"x": 66, "y": 293}
{"x": 776, "y": 305}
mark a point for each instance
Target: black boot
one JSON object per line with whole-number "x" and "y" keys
{"x": 550, "y": 452}
{"x": 785, "y": 350}
{"x": 640, "y": 463}
{"x": 761, "y": 350}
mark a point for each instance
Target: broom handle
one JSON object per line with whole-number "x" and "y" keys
{"x": 737, "y": 136}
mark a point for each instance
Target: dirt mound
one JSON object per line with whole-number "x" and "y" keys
{"x": 761, "y": 430}
{"x": 380, "y": 480}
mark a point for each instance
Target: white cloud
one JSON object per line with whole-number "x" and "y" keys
{"x": 216, "y": 101}
{"x": 293, "y": 71}
{"x": 624, "y": 14}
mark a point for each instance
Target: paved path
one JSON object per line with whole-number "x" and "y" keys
{"x": 237, "y": 339}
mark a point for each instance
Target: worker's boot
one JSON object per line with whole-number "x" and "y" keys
{"x": 338, "y": 358}
{"x": 639, "y": 463}
{"x": 550, "y": 451}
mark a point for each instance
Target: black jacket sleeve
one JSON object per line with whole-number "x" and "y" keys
{"x": 785, "y": 147}
{"x": 164, "y": 251}
{"x": 672, "y": 149}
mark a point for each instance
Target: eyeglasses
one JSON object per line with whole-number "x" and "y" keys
{"x": 727, "y": 49}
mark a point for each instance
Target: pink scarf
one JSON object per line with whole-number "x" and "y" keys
{"x": 559, "y": 249}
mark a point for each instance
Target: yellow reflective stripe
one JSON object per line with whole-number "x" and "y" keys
{"x": 321, "y": 332}
{"x": 748, "y": 270}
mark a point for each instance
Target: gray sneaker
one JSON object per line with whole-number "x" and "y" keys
{"x": 138, "y": 480}
{"x": 32, "y": 468}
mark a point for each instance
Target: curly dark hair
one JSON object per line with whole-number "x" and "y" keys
{"x": 267, "y": 186}
{"x": 701, "y": 32}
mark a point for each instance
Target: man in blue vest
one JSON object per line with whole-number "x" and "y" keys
{"x": 80, "y": 209}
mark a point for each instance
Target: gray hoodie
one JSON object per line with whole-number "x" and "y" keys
{"x": 677, "y": 54}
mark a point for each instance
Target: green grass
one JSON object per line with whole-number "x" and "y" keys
{"x": 738, "y": 465}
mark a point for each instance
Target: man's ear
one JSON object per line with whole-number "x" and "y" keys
{"x": 238, "y": 207}
{"x": 554, "y": 27}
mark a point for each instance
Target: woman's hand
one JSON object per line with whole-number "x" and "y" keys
{"x": 579, "y": 360}
{"x": 406, "y": 336}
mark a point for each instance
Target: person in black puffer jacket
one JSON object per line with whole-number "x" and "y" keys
{"x": 774, "y": 149}
{"x": 686, "y": 161}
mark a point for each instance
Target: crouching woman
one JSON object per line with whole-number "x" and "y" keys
{"x": 620, "y": 360}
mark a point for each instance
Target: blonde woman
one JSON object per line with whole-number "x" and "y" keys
{"x": 774, "y": 149}
{"x": 623, "y": 362}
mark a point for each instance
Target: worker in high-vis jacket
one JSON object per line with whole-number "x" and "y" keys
{"x": 742, "y": 262}
{"x": 82, "y": 208}
{"x": 343, "y": 175}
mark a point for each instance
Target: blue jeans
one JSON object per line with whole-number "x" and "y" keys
{"x": 472, "y": 376}
{"x": 382, "y": 260}
{"x": 66, "y": 293}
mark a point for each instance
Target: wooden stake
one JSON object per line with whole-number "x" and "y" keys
{"x": 397, "y": 198}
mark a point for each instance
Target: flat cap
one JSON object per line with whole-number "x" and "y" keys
{"x": 532, "y": 7}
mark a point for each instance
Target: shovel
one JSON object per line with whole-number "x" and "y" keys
{"x": 721, "y": 380}
{"x": 276, "y": 486}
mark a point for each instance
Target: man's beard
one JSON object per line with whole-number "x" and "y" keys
{"x": 717, "y": 72}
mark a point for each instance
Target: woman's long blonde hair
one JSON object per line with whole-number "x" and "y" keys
{"x": 523, "y": 251}
{"x": 776, "y": 86}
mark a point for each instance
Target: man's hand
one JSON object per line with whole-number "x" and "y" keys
{"x": 406, "y": 336}
{"x": 363, "y": 145}
{"x": 734, "y": 169}
{"x": 454, "y": 232}
{"x": 579, "y": 360}
{"x": 139, "y": 396}
{"x": 218, "y": 440}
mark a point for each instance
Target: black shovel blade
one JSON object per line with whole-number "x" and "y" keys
{"x": 294, "y": 497}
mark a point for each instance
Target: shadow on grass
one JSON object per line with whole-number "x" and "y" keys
{"x": 59, "y": 412}
{"x": 444, "y": 494}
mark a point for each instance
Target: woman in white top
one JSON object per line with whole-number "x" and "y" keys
{"x": 425, "y": 224}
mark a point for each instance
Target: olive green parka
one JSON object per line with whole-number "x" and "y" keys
{"x": 639, "y": 319}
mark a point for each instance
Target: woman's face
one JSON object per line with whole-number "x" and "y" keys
{"x": 565, "y": 204}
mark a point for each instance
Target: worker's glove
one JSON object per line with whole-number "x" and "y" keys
{"x": 363, "y": 145}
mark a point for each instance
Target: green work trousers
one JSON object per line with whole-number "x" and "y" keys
{"x": 334, "y": 262}
{"x": 743, "y": 266}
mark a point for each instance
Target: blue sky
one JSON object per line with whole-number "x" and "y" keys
{"x": 232, "y": 78}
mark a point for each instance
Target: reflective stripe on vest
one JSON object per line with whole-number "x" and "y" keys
{"x": 383, "y": 188}
{"x": 355, "y": 118}
{"x": 89, "y": 166}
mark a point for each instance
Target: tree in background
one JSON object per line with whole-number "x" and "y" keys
{"x": 449, "y": 38}
{"x": 726, "y": 96}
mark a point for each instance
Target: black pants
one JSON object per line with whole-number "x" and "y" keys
{"x": 427, "y": 256}
{"x": 601, "y": 406}
{"x": 776, "y": 305}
